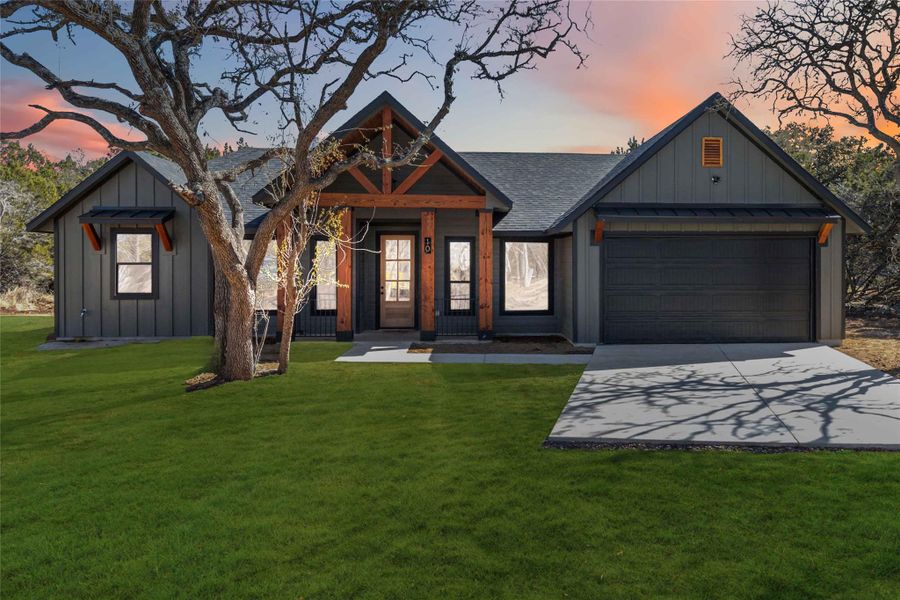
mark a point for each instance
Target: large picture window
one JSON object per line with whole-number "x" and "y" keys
{"x": 134, "y": 264}
{"x": 527, "y": 277}
{"x": 267, "y": 280}
{"x": 459, "y": 274}
{"x": 325, "y": 293}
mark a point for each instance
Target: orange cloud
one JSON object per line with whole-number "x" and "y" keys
{"x": 651, "y": 61}
{"x": 60, "y": 137}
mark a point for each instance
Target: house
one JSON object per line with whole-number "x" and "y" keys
{"x": 707, "y": 232}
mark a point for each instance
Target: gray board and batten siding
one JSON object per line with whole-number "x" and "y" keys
{"x": 181, "y": 306}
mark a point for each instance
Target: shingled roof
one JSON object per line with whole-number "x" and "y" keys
{"x": 245, "y": 186}
{"x": 545, "y": 191}
{"x": 541, "y": 185}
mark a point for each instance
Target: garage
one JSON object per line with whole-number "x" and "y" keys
{"x": 707, "y": 288}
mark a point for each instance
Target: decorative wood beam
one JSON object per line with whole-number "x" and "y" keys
{"x": 598, "y": 231}
{"x": 164, "y": 236}
{"x": 416, "y": 175}
{"x": 363, "y": 180}
{"x": 824, "y": 232}
{"x": 344, "y": 325}
{"x": 426, "y": 322}
{"x": 387, "y": 147}
{"x": 485, "y": 274}
{"x": 92, "y": 236}
{"x": 401, "y": 200}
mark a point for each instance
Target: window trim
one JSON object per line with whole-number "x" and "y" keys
{"x": 114, "y": 263}
{"x": 315, "y": 290}
{"x": 551, "y": 273}
{"x": 473, "y": 278}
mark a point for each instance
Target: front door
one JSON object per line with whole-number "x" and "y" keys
{"x": 398, "y": 302}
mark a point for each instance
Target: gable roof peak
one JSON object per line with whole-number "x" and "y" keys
{"x": 737, "y": 119}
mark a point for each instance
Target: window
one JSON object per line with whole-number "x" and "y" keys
{"x": 134, "y": 274}
{"x": 325, "y": 295}
{"x": 267, "y": 280}
{"x": 459, "y": 274}
{"x": 527, "y": 276}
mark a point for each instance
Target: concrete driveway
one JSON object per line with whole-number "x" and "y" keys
{"x": 738, "y": 394}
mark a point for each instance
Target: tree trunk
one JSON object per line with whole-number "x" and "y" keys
{"x": 220, "y": 306}
{"x": 287, "y": 328}
{"x": 238, "y": 361}
{"x": 291, "y": 248}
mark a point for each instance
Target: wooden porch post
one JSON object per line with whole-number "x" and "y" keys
{"x": 427, "y": 320}
{"x": 485, "y": 274}
{"x": 344, "y": 328}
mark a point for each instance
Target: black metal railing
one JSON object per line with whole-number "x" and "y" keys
{"x": 455, "y": 316}
{"x": 311, "y": 323}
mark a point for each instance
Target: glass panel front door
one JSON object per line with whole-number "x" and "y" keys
{"x": 398, "y": 306}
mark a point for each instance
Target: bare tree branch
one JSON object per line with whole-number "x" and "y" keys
{"x": 54, "y": 115}
{"x": 821, "y": 57}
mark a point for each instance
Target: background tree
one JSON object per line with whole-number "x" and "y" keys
{"x": 863, "y": 176}
{"x": 29, "y": 183}
{"x": 826, "y": 58}
{"x": 630, "y": 146}
{"x": 309, "y": 57}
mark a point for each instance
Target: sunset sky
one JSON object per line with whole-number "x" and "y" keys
{"x": 650, "y": 62}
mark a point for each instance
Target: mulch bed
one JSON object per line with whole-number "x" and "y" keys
{"x": 203, "y": 381}
{"x": 876, "y": 341}
{"x": 503, "y": 345}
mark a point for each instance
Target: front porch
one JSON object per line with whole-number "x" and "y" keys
{"x": 416, "y": 274}
{"x": 423, "y": 233}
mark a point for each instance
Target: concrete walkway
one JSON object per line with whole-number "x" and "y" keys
{"x": 739, "y": 394}
{"x": 385, "y": 352}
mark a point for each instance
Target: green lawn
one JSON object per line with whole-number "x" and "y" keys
{"x": 350, "y": 480}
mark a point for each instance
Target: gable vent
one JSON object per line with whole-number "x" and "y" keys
{"x": 712, "y": 152}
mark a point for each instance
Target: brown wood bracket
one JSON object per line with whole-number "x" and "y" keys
{"x": 92, "y": 236}
{"x": 420, "y": 171}
{"x": 824, "y": 232}
{"x": 598, "y": 231}
{"x": 164, "y": 236}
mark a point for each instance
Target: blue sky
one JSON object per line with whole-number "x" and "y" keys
{"x": 650, "y": 62}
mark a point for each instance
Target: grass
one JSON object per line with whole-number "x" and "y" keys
{"x": 349, "y": 480}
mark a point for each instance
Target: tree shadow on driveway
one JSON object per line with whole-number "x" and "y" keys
{"x": 742, "y": 394}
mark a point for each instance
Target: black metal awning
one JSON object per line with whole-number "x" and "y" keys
{"x": 717, "y": 214}
{"x": 137, "y": 215}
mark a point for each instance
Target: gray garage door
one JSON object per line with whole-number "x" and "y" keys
{"x": 706, "y": 289}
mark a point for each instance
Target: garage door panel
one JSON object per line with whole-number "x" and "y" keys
{"x": 685, "y": 248}
{"x": 631, "y": 303}
{"x": 633, "y": 248}
{"x": 743, "y": 289}
{"x": 636, "y": 276}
